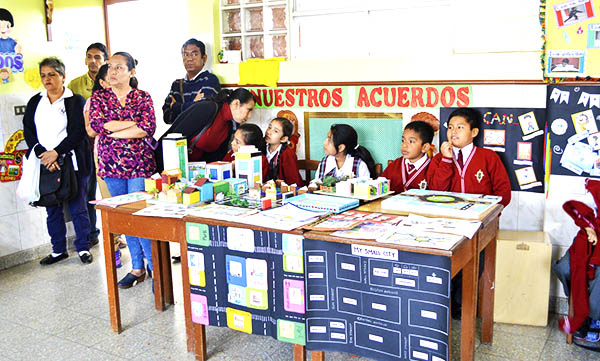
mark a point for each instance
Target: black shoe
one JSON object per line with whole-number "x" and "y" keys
{"x": 86, "y": 258}
{"x": 176, "y": 259}
{"x": 148, "y": 271}
{"x": 131, "y": 280}
{"x": 48, "y": 260}
{"x": 93, "y": 242}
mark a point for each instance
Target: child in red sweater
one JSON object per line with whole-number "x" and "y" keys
{"x": 462, "y": 167}
{"x": 283, "y": 162}
{"x": 410, "y": 170}
{"x": 249, "y": 134}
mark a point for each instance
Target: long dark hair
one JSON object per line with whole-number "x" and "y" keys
{"x": 131, "y": 63}
{"x": 346, "y": 135}
{"x": 229, "y": 95}
{"x": 253, "y": 136}
{"x": 101, "y": 75}
{"x": 287, "y": 128}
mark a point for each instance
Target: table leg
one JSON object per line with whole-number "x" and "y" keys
{"x": 114, "y": 308}
{"x": 187, "y": 304}
{"x": 299, "y": 353}
{"x": 157, "y": 273}
{"x": 166, "y": 276}
{"x": 317, "y": 356}
{"x": 469, "y": 308}
{"x": 487, "y": 297}
{"x": 200, "y": 342}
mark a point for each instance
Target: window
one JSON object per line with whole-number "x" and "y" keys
{"x": 257, "y": 28}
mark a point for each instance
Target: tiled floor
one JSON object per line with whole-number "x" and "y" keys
{"x": 60, "y": 312}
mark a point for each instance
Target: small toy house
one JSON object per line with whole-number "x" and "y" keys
{"x": 218, "y": 171}
{"x": 248, "y": 164}
{"x": 170, "y": 176}
{"x": 362, "y": 189}
{"x": 265, "y": 203}
{"x": 220, "y": 187}
{"x": 162, "y": 196}
{"x": 174, "y": 195}
{"x": 153, "y": 184}
{"x": 237, "y": 186}
{"x": 343, "y": 188}
{"x": 254, "y": 193}
{"x": 196, "y": 170}
{"x": 191, "y": 195}
{"x": 206, "y": 189}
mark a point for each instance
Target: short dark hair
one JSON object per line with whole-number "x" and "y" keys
{"x": 98, "y": 46}
{"x": 7, "y": 16}
{"x": 196, "y": 42}
{"x": 423, "y": 129}
{"x": 55, "y": 63}
{"x": 565, "y": 60}
{"x": 472, "y": 116}
{"x": 100, "y": 76}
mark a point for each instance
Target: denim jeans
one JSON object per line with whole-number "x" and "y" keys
{"x": 81, "y": 221}
{"x": 138, "y": 247}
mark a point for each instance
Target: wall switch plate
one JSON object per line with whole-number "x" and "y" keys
{"x": 20, "y": 109}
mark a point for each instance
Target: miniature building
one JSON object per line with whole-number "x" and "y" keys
{"x": 248, "y": 164}
{"x": 196, "y": 170}
{"x": 206, "y": 189}
{"x": 237, "y": 186}
{"x": 191, "y": 195}
{"x": 153, "y": 183}
{"x": 220, "y": 187}
{"x": 218, "y": 171}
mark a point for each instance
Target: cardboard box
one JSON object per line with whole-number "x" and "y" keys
{"x": 522, "y": 278}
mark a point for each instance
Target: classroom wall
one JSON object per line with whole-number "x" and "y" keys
{"x": 24, "y": 234}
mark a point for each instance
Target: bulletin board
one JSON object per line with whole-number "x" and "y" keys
{"x": 517, "y": 135}
{"x": 572, "y": 30}
{"x": 573, "y": 117}
{"x": 380, "y": 133}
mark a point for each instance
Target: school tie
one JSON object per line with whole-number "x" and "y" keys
{"x": 459, "y": 159}
{"x": 410, "y": 167}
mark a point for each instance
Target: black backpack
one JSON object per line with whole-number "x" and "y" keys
{"x": 58, "y": 186}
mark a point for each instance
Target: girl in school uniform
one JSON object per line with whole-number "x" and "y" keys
{"x": 283, "y": 163}
{"x": 344, "y": 156}
{"x": 249, "y": 134}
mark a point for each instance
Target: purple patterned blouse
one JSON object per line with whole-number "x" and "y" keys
{"x": 123, "y": 158}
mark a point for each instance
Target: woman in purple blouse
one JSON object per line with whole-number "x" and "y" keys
{"x": 123, "y": 117}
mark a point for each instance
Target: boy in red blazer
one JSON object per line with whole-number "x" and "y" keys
{"x": 410, "y": 170}
{"x": 463, "y": 167}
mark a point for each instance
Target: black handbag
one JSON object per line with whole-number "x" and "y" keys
{"x": 58, "y": 186}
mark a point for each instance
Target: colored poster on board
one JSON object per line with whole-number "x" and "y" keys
{"x": 517, "y": 136}
{"x": 573, "y": 115}
{"x": 376, "y": 302}
{"x": 247, "y": 280}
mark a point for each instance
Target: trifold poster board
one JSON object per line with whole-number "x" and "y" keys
{"x": 247, "y": 280}
{"x": 371, "y": 301}
{"x": 573, "y": 114}
{"x": 517, "y": 135}
{"x": 376, "y": 302}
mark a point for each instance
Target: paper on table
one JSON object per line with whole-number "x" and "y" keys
{"x": 422, "y": 239}
{"x": 286, "y": 217}
{"x": 420, "y": 224}
{"x": 163, "y": 210}
{"x": 221, "y": 212}
{"x": 367, "y": 230}
{"x": 123, "y": 199}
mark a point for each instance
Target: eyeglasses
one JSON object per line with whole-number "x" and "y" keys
{"x": 193, "y": 54}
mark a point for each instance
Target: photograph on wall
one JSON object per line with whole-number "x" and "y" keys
{"x": 593, "y": 36}
{"x": 573, "y": 12}
{"x": 573, "y": 114}
{"x": 566, "y": 62}
{"x": 522, "y": 140}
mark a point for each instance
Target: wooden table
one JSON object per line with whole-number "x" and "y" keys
{"x": 160, "y": 231}
{"x": 464, "y": 256}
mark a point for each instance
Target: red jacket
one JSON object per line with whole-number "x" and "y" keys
{"x": 288, "y": 169}
{"x": 402, "y": 180}
{"x": 212, "y": 139}
{"x": 584, "y": 256}
{"x": 483, "y": 173}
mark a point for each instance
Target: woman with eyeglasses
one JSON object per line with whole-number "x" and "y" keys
{"x": 123, "y": 117}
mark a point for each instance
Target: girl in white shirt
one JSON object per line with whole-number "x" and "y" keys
{"x": 344, "y": 156}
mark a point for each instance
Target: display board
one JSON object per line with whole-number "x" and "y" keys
{"x": 376, "y": 302}
{"x": 247, "y": 280}
{"x": 380, "y": 133}
{"x": 572, "y": 38}
{"x": 573, "y": 114}
{"x": 517, "y": 136}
